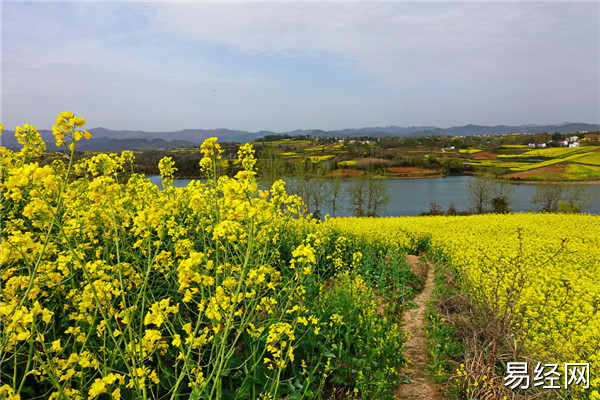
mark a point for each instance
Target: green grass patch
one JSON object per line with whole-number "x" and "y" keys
{"x": 582, "y": 172}
{"x": 530, "y": 166}
{"x": 513, "y": 166}
{"x": 445, "y": 346}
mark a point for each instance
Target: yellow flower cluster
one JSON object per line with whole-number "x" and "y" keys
{"x": 278, "y": 344}
{"x": 212, "y": 152}
{"x": 112, "y": 287}
{"x": 548, "y": 264}
{"x": 166, "y": 166}
{"x": 29, "y": 137}
{"x": 66, "y": 125}
{"x": 109, "y": 283}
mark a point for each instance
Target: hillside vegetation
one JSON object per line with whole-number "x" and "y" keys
{"x": 421, "y": 157}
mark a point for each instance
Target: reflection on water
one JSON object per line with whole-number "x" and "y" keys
{"x": 414, "y": 196}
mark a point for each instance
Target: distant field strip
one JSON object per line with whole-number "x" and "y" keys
{"x": 348, "y": 163}
{"x": 560, "y": 152}
{"x": 578, "y": 171}
{"x": 583, "y": 155}
{"x": 588, "y": 158}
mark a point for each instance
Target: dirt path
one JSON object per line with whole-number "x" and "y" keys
{"x": 420, "y": 386}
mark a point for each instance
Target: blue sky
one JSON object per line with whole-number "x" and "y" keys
{"x": 281, "y": 66}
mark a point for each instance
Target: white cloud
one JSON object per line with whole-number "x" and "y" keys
{"x": 149, "y": 66}
{"x": 403, "y": 42}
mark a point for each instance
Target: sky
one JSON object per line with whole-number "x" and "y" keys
{"x": 281, "y": 66}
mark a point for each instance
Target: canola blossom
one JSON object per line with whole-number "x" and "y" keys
{"x": 552, "y": 259}
{"x": 114, "y": 288}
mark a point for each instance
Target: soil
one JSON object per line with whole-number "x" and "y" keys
{"x": 420, "y": 386}
{"x": 484, "y": 155}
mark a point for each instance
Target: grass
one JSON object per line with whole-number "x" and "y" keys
{"x": 513, "y": 166}
{"x": 581, "y": 171}
{"x": 445, "y": 347}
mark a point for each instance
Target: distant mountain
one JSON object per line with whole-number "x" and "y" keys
{"x": 106, "y": 144}
{"x": 112, "y": 140}
{"x": 9, "y": 140}
{"x": 196, "y": 136}
{"x": 471, "y": 130}
{"x": 228, "y": 135}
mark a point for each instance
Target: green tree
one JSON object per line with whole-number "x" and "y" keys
{"x": 454, "y": 165}
{"x": 542, "y": 137}
{"x": 566, "y": 208}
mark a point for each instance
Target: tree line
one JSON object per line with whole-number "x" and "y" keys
{"x": 365, "y": 196}
{"x": 488, "y": 196}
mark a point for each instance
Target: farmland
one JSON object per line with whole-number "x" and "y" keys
{"x": 322, "y": 157}
{"x": 114, "y": 288}
{"x": 540, "y": 271}
{"x": 372, "y": 157}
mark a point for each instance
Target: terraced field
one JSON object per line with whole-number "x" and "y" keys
{"x": 553, "y": 164}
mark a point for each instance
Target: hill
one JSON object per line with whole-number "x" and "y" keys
{"x": 114, "y": 140}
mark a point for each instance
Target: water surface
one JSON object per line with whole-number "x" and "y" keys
{"x": 414, "y": 196}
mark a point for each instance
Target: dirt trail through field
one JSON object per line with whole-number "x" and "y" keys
{"x": 420, "y": 386}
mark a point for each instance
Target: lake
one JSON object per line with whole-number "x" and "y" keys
{"x": 414, "y": 196}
